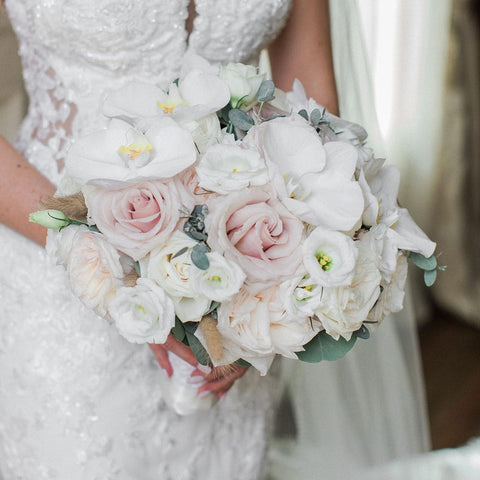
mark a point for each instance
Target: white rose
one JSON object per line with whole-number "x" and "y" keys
{"x": 94, "y": 269}
{"x": 143, "y": 313}
{"x": 329, "y": 257}
{"x": 220, "y": 281}
{"x": 243, "y": 81}
{"x": 60, "y": 243}
{"x": 228, "y": 167}
{"x": 345, "y": 308}
{"x": 172, "y": 273}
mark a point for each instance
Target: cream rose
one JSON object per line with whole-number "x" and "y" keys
{"x": 143, "y": 313}
{"x": 253, "y": 229}
{"x": 138, "y": 217}
{"x": 256, "y": 327}
{"x": 94, "y": 269}
{"x": 345, "y": 308}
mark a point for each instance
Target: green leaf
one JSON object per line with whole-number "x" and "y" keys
{"x": 316, "y": 117}
{"x": 423, "y": 262}
{"x": 197, "y": 348}
{"x": 212, "y": 307}
{"x": 303, "y": 113}
{"x": 242, "y": 363}
{"x": 324, "y": 347}
{"x": 136, "y": 265}
{"x": 199, "y": 256}
{"x": 430, "y": 276}
{"x": 178, "y": 330}
{"x": 180, "y": 252}
{"x": 266, "y": 91}
{"x": 240, "y": 119}
{"x": 362, "y": 333}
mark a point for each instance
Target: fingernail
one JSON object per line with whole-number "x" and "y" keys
{"x": 220, "y": 395}
{"x": 204, "y": 393}
{"x": 204, "y": 369}
{"x": 195, "y": 380}
{"x": 164, "y": 372}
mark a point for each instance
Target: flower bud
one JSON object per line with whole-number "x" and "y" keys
{"x": 54, "y": 219}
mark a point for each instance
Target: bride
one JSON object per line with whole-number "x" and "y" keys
{"x": 76, "y": 400}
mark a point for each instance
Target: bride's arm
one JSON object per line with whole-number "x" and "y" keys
{"x": 303, "y": 50}
{"x": 21, "y": 189}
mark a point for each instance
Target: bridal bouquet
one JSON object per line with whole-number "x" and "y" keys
{"x": 247, "y": 221}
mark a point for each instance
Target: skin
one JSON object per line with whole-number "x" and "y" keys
{"x": 302, "y": 50}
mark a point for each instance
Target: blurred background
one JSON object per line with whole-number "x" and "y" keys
{"x": 425, "y": 63}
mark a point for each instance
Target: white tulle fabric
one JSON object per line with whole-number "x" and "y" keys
{"x": 76, "y": 400}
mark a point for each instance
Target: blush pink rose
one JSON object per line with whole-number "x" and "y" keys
{"x": 139, "y": 217}
{"x": 256, "y": 231}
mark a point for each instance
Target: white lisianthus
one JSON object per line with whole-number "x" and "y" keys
{"x": 173, "y": 273}
{"x": 228, "y": 167}
{"x": 345, "y": 308}
{"x": 220, "y": 281}
{"x": 123, "y": 154}
{"x": 301, "y": 295}
{"x": 94, "y": 269}
{"x": 143, "y": 313}
{"x": 205, "y": 131}
{"x": 329, "y": 257}
{"x": 54, "y": 219}
{"x": 243, "y": 81}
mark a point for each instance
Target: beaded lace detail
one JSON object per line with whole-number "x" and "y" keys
{"x": 77, "y": 401}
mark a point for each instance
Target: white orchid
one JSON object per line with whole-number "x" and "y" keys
{"x": 316, "y": 181}
{"x": 198, "y": 92}
{"x": 123, "y": 154}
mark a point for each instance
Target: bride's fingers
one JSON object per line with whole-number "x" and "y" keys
{"x": 180, "y": 350}
{"x": 220, "y": 385}
{"x": 162, "y": 357}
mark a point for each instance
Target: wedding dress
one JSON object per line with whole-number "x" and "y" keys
{"x": 79, "y": 402}
{"x": 76, "y": 400}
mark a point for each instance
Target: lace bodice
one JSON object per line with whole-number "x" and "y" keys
{"x": 74, "y": 51}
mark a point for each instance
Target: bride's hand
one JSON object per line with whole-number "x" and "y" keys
{"x": 178, "y": 348}
{"x": 217, "y": 380}
{"x": 221, "y": 379}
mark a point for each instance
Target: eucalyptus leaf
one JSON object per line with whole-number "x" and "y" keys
{"x": 136, "y": 265}
{"x": 242, "y": 363}
{"x": 178, "y": 330}
{"x": 423, "y": 262}
{"x": 212, "y": 307}
{"x": 224, "y": 113}
{"x": 324, "y": 347}
{"x": 316, "y": 117}
{"x": 180, "y": 252}
{"x": 266, "y": 91}
{"x": 303, "y": 113}
{"x": 430, "y": 276}
{"x": 196, "y": 235}
{"x": 362, "y": 333}
{"x": 197, "y": 348}
{"x": 199, "y": 256}
{"x": 240, "y": 119}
